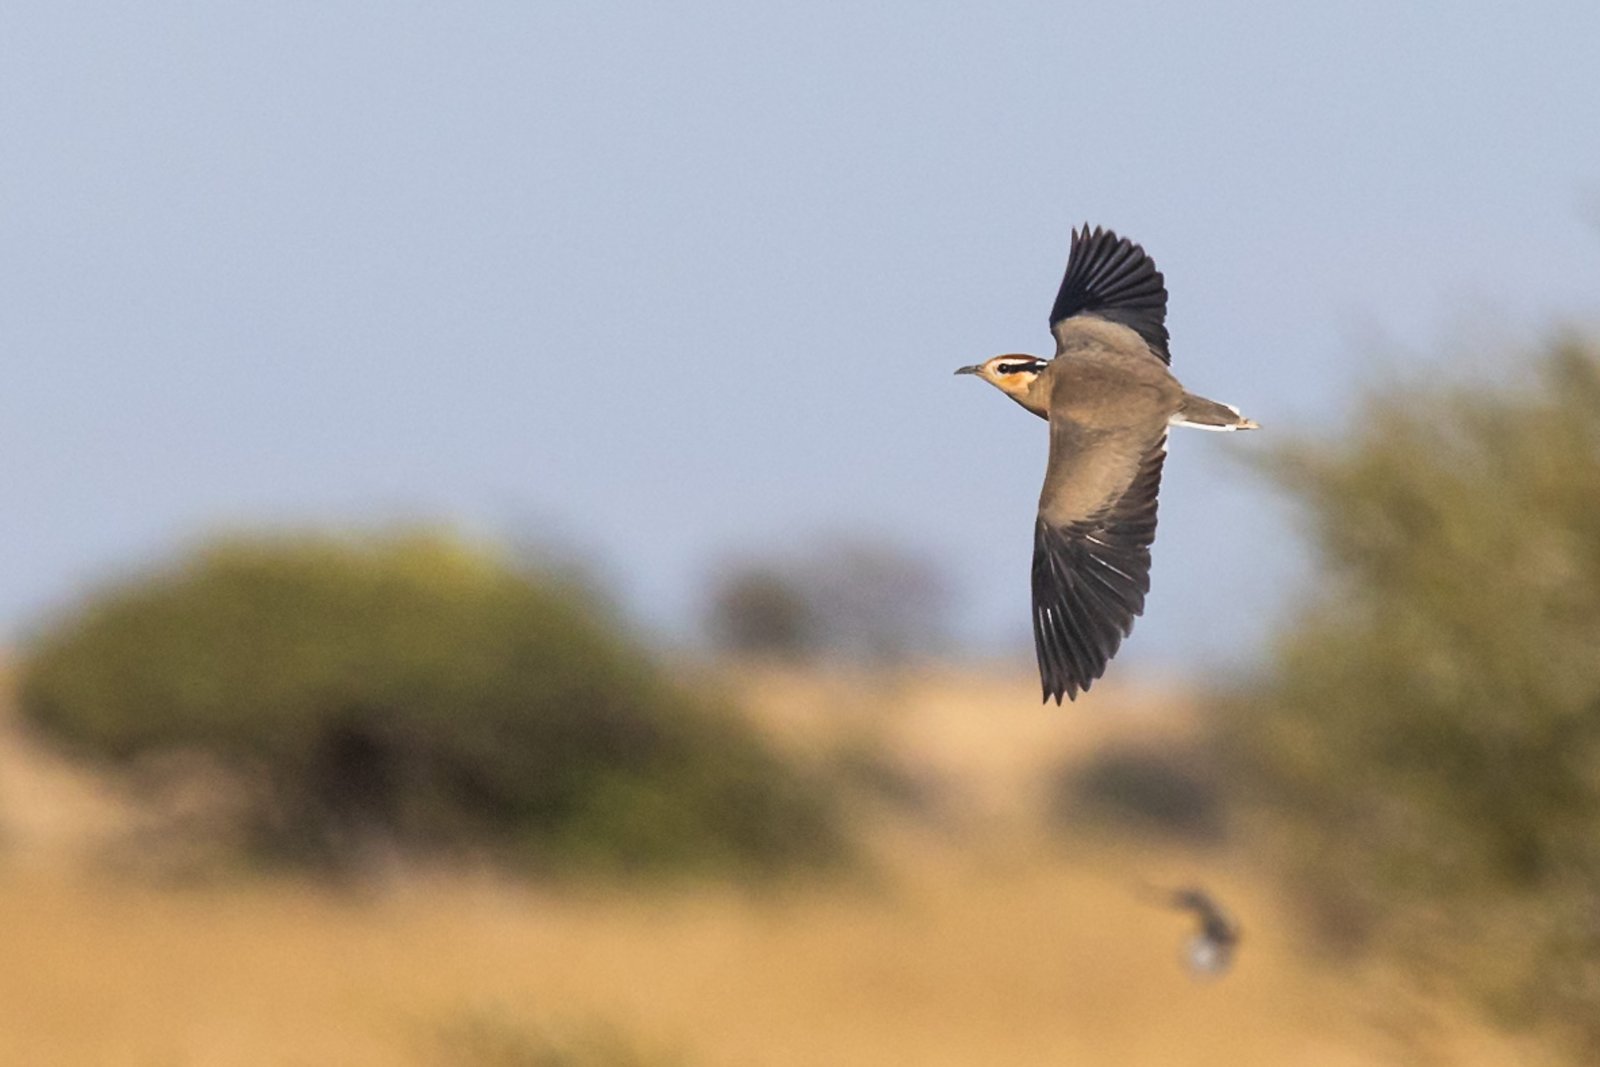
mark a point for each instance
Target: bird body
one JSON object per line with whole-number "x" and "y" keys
{"x": 1109, "y": 397}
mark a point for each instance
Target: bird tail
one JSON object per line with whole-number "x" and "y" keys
{"x": 1205, "y": 414}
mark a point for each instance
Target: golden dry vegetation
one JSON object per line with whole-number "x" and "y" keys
{"x": 978, "y": 936}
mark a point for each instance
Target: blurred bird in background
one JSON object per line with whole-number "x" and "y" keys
{"x": 1208, "y": 953}
{"x": 1109, "y": 398}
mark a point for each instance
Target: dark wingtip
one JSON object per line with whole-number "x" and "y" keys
{"x": 1058, "y": 688}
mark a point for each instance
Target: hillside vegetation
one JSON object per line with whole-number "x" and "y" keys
{"x": 1427, "y": 739}
{"x": 420, "y": 693}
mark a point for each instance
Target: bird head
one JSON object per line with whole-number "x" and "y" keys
{"x": 1012, "y": 374}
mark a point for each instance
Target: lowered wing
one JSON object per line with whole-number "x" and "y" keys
{"x": 1091, "y": 547}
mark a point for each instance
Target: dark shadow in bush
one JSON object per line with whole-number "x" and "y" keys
{"x": 1174, "y": 795}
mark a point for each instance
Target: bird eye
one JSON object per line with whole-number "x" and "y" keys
{"x": 1014, "y": 368}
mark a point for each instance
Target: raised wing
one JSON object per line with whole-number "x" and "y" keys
{"x": 1112, "y": 278}
{"x": 1215, "y": 922}
{"x": 1091, "y": 548}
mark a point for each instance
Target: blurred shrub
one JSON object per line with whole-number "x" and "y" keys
{"x": 426, "y": 694}
{"x": 877, "y": 602}
{"x": 849, "y": 599}
{"x": 757, "y": 611}
{"x": 1176, "y": 795}
{"x": 1428, "y": 737}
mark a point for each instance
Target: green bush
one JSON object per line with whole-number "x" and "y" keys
{"x": 423, "y": 693}
{"x": 1428, "y": 738}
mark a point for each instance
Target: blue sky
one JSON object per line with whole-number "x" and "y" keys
{"x": 673, "y": 282}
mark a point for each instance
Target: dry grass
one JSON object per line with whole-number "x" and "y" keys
{"x": 984, "y": 942}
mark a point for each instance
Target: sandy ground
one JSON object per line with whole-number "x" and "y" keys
{"x": 983, "y": 938}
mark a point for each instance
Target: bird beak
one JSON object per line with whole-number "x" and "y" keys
{"x": 976, "y": 368}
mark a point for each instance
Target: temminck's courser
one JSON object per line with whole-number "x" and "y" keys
{"x": 1109, "y": 397}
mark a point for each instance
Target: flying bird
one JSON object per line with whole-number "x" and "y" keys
{"x": 1109, "y": 398}
{"x": 1209, "y": 952}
